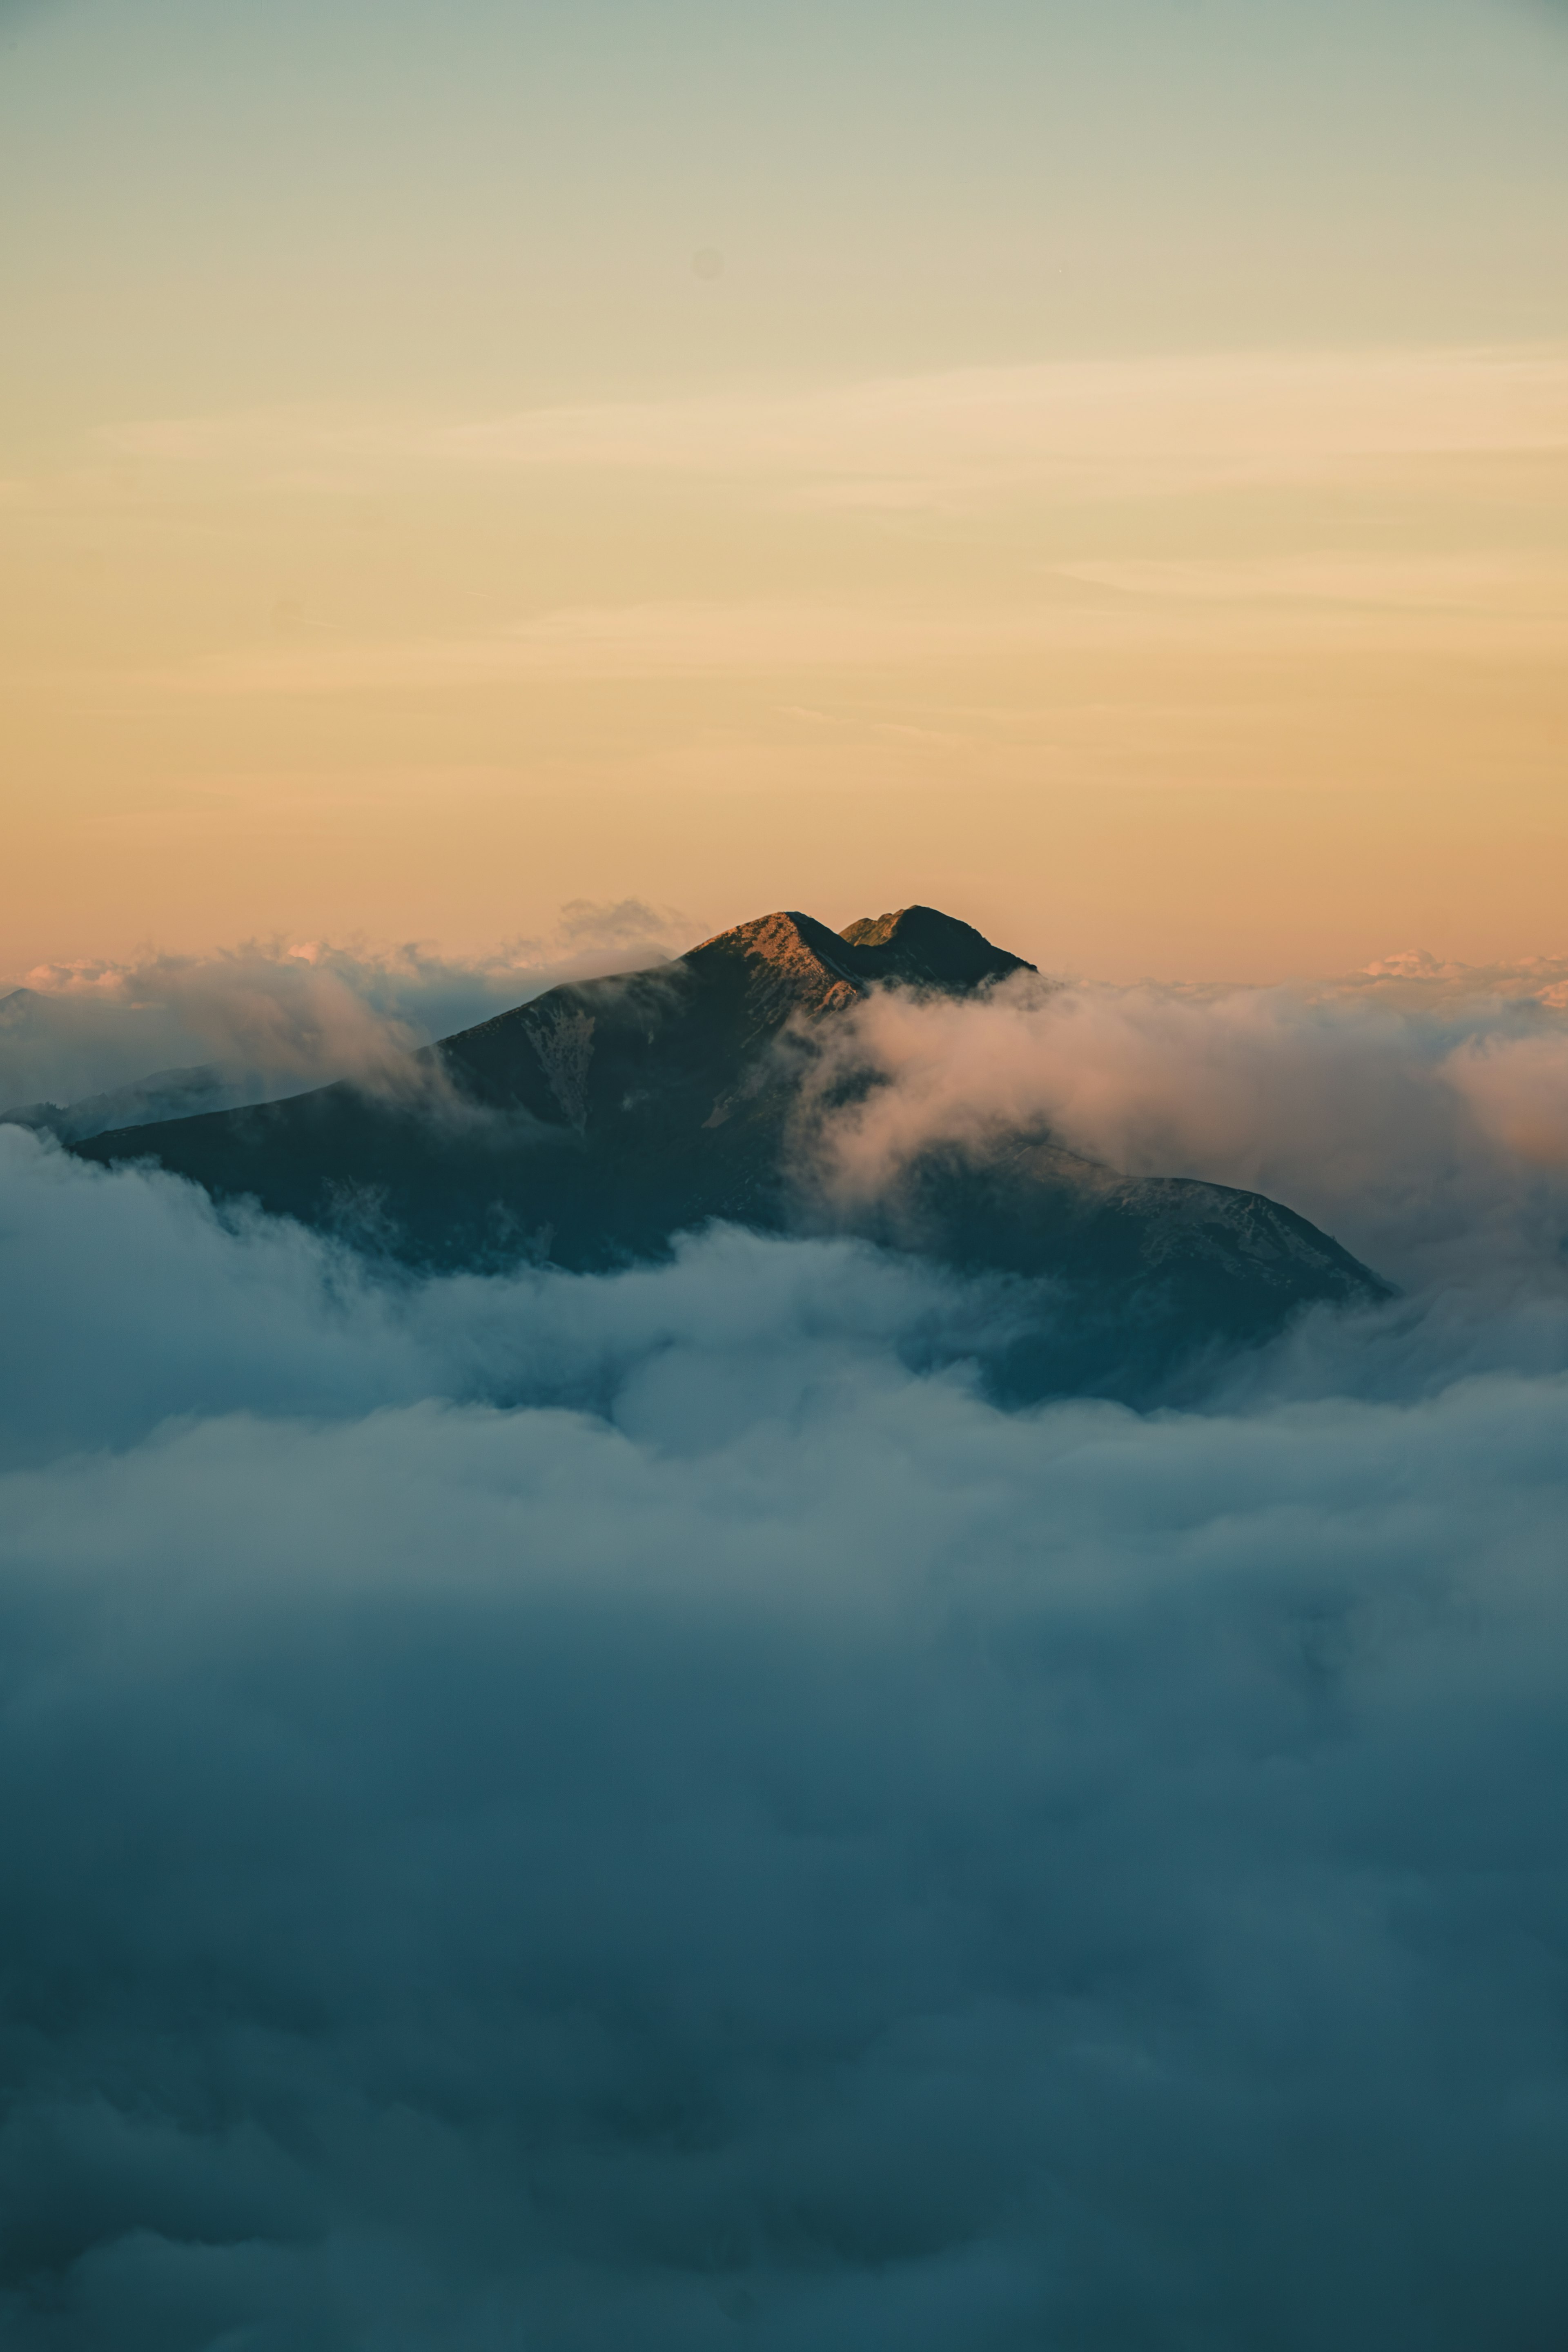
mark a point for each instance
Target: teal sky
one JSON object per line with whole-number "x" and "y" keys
{"x": 210, "y": 205}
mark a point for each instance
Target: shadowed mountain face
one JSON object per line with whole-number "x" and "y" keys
{"x": 590, "y": 1126}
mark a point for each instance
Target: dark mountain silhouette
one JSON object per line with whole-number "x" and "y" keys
{"x": 591, "y": 1125}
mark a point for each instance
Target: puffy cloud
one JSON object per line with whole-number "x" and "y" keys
{"x": 1426, "y": 1129}
{"x": 580, "y": 1811}
{"x": 901, "y": 1875}
{"x": 137, "y": 1302}
{"x": 1517, "y": 1090}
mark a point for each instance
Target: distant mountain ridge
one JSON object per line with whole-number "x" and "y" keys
{"x": 588, "y": 1127}
{"x": 161, "y": 1094}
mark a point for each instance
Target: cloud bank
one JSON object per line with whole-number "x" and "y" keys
{"x": 1425, "y": 1123}
{"x": 587, "y": 1812}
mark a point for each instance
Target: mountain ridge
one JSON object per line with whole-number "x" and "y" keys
{"x": 590, "y": 1126}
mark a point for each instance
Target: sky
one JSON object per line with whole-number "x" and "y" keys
{"x": 1101, "y": 469}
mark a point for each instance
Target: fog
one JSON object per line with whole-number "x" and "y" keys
{"x": 585, "y": 1812}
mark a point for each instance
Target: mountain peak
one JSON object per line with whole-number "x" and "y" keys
{"x": 790, "y": 963}
{"x": 922, "y": 945}
{"x": 791, "y": 954}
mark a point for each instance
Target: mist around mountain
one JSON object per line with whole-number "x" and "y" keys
{"x": 271, "y": 1017}
{"x": 640, "y": 1806}
{"x": 591, "y": 1126}
{"x": 161, "y": 1094}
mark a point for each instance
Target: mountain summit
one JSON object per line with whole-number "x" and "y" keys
{"x": 792, "y": 963}
{"x": 591, "y": 1125}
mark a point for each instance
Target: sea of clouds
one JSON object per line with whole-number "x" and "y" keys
{"x": 562, "y": 1813}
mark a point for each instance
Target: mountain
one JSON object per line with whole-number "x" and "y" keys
{"x": 590, "y": 1126}
{"x": 164, "y": 1095}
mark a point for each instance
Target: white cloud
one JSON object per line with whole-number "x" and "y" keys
{"x": 1426, "y": 1125}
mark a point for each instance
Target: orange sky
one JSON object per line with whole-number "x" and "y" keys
{"x": 1243, "y": 658}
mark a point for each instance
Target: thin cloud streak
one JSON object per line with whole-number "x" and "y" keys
{"x": 1138, "y": 424}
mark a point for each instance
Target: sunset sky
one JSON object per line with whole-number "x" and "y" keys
{"x": 1098, "y": 466}
{"x": 837, "y": 1648}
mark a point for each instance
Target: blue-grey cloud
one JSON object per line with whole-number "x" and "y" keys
{"x": 141, "y": 1303}
{"x": 577, "y": 1811}
{"x": 904, "y": 1876}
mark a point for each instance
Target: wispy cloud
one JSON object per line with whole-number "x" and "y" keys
{"x": 1140, "y": 424}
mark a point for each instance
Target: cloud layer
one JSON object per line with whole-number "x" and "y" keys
{"x": 906, "y": 1878}
{"x": 585, "y": 1811}
{"x": 1425, "y": 1123}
